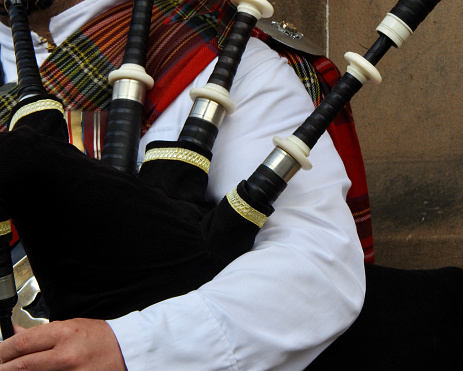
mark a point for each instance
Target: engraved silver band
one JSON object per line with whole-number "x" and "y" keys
{"x": 130, "y": 90}
{"x": 5, "y": 228}
{"x": 208, "y": 110}
{"x": 179, "y": 154}
{"x": 245, "y": 210}
{"x": 41, "y": 105}
{"x": 7, "y": 287}
{"x": 282, "y": 164}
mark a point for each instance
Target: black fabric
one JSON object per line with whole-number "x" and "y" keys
{"x": 176, "y": 178}
{"x": 102, "y": 243}
{"x": 411, "y": 320}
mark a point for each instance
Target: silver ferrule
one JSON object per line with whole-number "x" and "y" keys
{"x": 282, "y": 164}
{"x": 208, "y": 110}
{"x": 130, "y": 90}
{"x": 7, "y": 287}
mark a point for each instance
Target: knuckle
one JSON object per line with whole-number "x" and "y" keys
{"x": 68, "y": 359}
{"x": 22, "y": 365}
{"x": 21, "y": 344}
{"x": 66, "y": 329}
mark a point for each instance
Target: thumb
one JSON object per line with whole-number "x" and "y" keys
{"x": 18, "y": 329}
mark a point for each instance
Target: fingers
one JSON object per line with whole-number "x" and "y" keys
{"x": 34, "y": 340}
{"x": 34, "y": 362}
{"x": 77, "y": 344}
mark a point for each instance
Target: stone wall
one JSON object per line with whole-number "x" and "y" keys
{"x": 409, "y": 126}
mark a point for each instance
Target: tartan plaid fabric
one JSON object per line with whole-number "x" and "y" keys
{"x": 344, "y": 136}
{"x": 179, "y": 34}
{"x": 185, "y": 37}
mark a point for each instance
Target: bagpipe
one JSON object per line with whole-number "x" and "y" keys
{"x": 150, "y": 235}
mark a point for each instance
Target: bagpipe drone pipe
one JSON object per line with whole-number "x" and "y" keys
{"x": 147, "y": 237}
{"x": 176, "y": 232}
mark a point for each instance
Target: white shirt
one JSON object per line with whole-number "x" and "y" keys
{"x": 280, "y": 305}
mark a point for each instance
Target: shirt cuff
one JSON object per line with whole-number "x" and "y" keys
{"x": 171, "y": 334}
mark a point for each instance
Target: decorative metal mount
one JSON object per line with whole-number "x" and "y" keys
{"x": 288, "y": 29}
{"x": 288, "y": 34}
{"x": 28, "y": 289}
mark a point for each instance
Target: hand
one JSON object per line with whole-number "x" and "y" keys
{"x": 76, "y": 344}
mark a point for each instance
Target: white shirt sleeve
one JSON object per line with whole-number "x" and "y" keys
{"x": 279, "y": 305}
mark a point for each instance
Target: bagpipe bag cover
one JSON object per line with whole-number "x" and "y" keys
{"x": 103, "y": 243}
